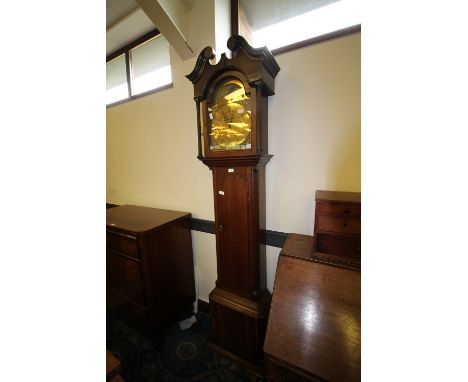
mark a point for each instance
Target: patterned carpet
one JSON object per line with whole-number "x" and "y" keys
{"x": 182, "y": 355}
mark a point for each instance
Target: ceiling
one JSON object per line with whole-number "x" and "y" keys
{"x": 116, "y": 10}
{"x": 126, "y": 21}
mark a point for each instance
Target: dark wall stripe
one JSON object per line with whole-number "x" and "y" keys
{"x": 201, "y": 225}
{"x": 275, "y": 238}
{"x": 271, "y": 238}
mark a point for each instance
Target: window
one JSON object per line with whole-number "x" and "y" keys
{"x": 277, "y": 23}
{"x": 116, "y": 76}
{"x": 138, "y": 69}
{"x": 151, "y": 67}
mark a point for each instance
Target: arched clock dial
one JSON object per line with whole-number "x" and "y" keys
{"x": 229, "y": 118}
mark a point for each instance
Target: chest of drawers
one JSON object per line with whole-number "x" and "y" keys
{"x": 338, "y": 223}
{"x": 149, "y": 266}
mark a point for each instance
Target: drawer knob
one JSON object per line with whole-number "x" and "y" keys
{"x": 220, "y": 228}
{"x": 347, "y": 210}
{"x": 345, "y": 224}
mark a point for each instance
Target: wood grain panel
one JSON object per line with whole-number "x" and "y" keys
{"x": 232, "y": 223}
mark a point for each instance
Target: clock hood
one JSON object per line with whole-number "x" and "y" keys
{"x": 257, "y": 65}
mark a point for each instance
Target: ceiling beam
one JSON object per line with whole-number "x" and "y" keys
{"x": 127, "y": 29}
{"x": 165, "y": 24}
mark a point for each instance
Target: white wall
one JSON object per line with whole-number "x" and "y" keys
{"x": 201, "y": 25}
{"x": 314, "y": 135}
{"x": 314, "y": 130}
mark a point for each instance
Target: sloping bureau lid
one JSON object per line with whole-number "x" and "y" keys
{"x": 315, "y": 319}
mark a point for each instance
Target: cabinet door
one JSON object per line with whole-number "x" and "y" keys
{"x": 231, "y": 187}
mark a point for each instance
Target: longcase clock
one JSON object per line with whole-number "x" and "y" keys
{"x": 232, "y": 120}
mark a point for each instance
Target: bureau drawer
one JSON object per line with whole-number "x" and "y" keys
{"x": 124, "y": 276}
{"x": 122, "y": 243}
{"x": 345, "y": 246}
{"x": 344, "y": 210}
{"x": 333, "y": 224}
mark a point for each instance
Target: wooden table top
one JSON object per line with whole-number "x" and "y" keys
{"x": 315, "y": 319}
{"x": 137, "y": 219}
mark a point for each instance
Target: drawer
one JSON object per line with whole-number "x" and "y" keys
{"x": 344, "y": 246}
{"x": 344, "y": 210}
{"x": 124, "y": 276}
{"x": 134, "y": 315}
{"x": 122, "y": 243}
{"x": 332, "y": 224}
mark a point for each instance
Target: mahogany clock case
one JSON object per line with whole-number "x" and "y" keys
{"x": 240, "y": 302}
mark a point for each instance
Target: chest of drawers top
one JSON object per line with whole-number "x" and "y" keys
{"x": 137, "y": 220}
{"x": 338, "y": 196}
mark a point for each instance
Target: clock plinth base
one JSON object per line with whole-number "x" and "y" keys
{"x": 238, "y": 324}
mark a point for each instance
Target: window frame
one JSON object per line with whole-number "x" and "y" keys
{"x": 128, "y": 65}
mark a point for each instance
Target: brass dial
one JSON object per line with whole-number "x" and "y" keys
{"x": 229, "y": 118}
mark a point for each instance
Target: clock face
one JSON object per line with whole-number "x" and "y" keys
{"x": 229, "y": 118}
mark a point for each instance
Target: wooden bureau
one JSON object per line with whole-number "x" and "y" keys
{"x": 149, "y": 266}
{"x": 314, "y": 325}
{"x": 338, "y": 223}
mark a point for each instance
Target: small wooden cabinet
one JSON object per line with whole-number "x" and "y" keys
{"x": 338, "y": 223}
{"x": 150, "y": 277}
